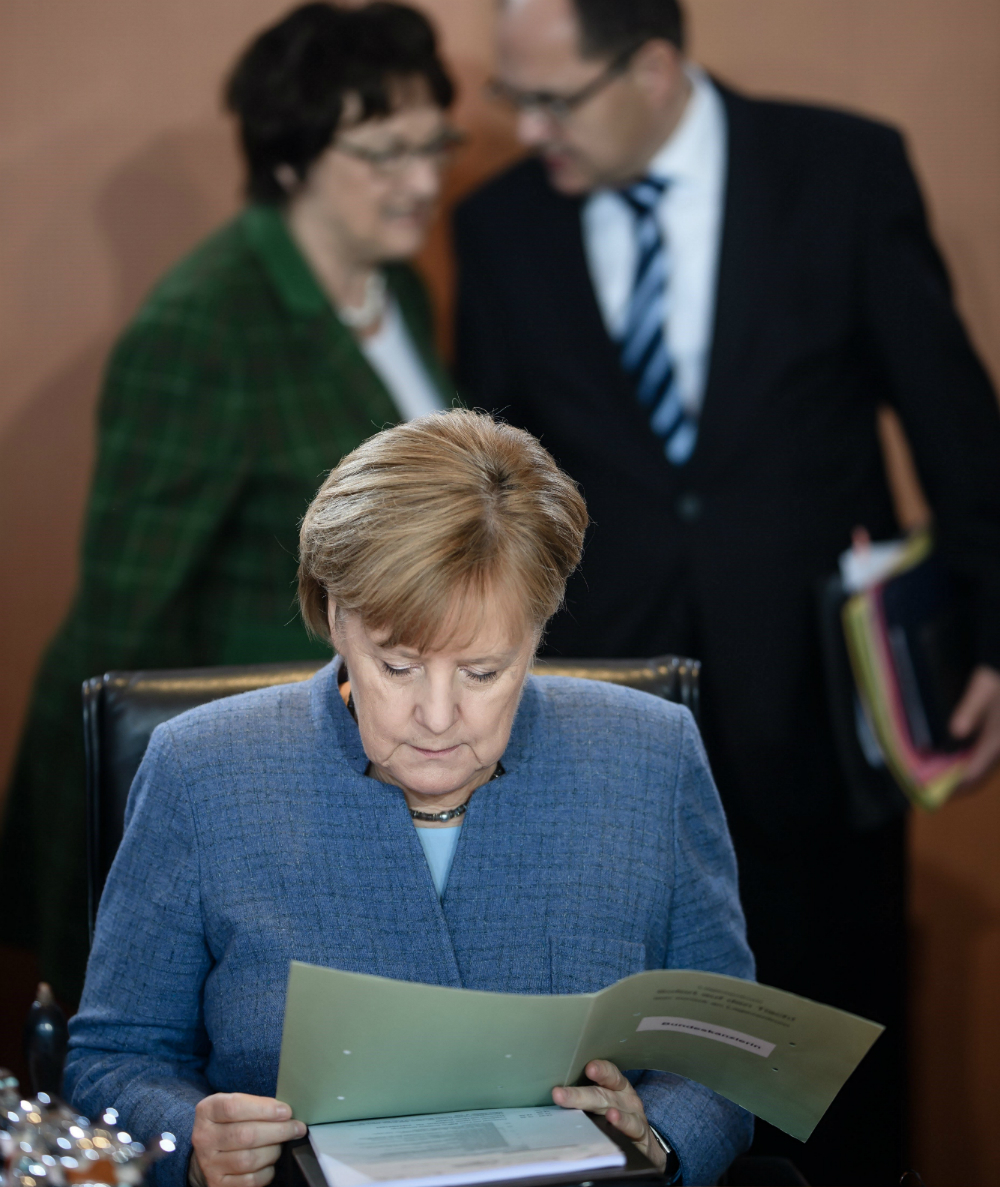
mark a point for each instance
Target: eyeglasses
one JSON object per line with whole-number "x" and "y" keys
{"x": 394, "y": 160}
{"x": 559, "y": 107}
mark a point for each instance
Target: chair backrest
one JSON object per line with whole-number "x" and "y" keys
{"x": 121, "y": 710}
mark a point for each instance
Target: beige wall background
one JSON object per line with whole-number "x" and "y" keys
{"x": 114, "y": 159}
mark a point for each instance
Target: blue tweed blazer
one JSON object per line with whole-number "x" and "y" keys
{"x": 253, "y": 837}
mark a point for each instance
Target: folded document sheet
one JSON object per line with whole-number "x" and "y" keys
{"x": 443, "y": 1149}
{"x": 356, "y": 1046}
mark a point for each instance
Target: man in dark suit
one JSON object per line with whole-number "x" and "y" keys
{"x": 698, "y": 301}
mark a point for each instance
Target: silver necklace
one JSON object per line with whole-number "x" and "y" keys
{"x": 452, "y": 813}
{"x": 371, "y": 311}
{"x": 440, "y": 817}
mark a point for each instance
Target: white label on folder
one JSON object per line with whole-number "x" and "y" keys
{"x": 721, "y": 1034}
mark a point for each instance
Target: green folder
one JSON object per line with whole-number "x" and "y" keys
{"x": 357, "y": 1046}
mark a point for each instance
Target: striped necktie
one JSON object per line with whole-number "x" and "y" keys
{"x": 644, "y": 353}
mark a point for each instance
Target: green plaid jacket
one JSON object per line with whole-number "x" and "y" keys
{"x": 226, "y": 401}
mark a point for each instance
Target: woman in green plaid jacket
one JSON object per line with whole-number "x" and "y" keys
{"x": 276, "y": 347}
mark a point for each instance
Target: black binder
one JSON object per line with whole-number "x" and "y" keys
{"x": 927, "y": 625}
{"x": 931, "y": 642}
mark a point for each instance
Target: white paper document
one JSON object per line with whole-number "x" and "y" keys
{"x": 446, "y": 1149}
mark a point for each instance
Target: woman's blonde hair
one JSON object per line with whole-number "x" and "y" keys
{"x": 444, "y": 507}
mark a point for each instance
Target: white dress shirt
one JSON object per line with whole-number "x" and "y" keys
{"x": 398, "y": 364}
{"x": 693, "y": 160}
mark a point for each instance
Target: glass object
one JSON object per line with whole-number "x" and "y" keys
{"x": 560, "y": 107}
{"x": 395, "y": 159}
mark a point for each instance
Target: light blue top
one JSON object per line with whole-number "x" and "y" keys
{"x": 253, "y": 837}
{"x": 439, "y": 848}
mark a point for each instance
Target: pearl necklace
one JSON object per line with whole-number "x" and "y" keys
{"x": 371, "y": 311}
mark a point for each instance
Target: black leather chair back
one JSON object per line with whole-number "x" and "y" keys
{"x": 121, "y": 710}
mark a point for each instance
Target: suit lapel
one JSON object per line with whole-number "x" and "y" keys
{"x": 597, "y": 355}
{"x": 577, "y": 343}
{"x": 428, "y": 953}
{"x": 745, "y": 260}
{"x": 305, "y": 300}
{"x": 408, "y": 938}
{"x": 346, "y": 360}
{"x": 559, "y": 294}
{"x": 483, "y": 910}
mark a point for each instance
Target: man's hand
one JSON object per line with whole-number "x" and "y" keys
{"x": 237, "y": 1139}
{"x": 978, "y": 713}
{"x": 615, "y": 1097}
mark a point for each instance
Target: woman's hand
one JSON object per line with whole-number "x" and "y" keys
{"x": 237, "y": 1139}
{"x": 615, "y": 1097}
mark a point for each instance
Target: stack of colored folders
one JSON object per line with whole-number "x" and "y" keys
{"x": 909, "y": 651}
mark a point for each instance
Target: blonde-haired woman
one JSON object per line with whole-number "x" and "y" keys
{"x": 423, "y": 808}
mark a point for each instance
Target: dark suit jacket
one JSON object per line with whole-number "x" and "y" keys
{"x": 831, "y": 301}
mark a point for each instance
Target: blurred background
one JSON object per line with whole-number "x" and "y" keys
{"x": 115, "y": 159}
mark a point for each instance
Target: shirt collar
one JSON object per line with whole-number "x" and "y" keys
{"x": 291, "y": 276}
{"x": 688, "y": 153}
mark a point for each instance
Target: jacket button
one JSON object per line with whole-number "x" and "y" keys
{"x": 689, "y": 506}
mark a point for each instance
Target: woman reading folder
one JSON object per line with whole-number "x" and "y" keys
{"x": 422, "y": 809}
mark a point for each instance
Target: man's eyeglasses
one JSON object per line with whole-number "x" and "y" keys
{"x": 393, "y": 160}
{"x": 559, "y": 107}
